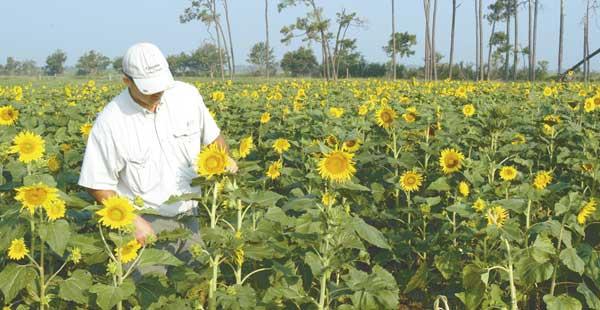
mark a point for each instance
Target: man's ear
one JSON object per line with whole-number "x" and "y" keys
{"x": 127, "y": 81}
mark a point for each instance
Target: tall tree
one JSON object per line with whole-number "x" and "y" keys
{"x": 232, "y": 69}
{"x": 393, "y": 40}
{"x": 507, "y": 53}
{"x": 267, "y": 37}
{"x": 262, "y": 57}
{"x": 530, "y": 38}
{"x": 301, "y": 62}
{"x": 561, "y": 35}
{"x": 92, "y": 62}
{"x": 480, "y": 27}
{"x": 401, "y": 43}
{"x": 434, "y": 59}
{"x": 516, "y": 44}
{"x": 428, "y": 54}
{"x": 452, "y": 32}
{"x": 534, "y": 45}
{"x": 55, "y": 63}
{"x": 493, "y": 17}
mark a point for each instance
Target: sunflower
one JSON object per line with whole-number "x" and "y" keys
{"x": 463, "y": 188}
{"x": 8, "y": 115}
{"x": 75, "y": 255}
{"x": 246, "y": 146}
{"x": 29, "y": 145}
{"x": 351, "y": 145}
{"x": 363, "y": 109}
{"x": 17, "y": 250}
{"x": 337, "y": 166}
{"x": 212, "y": 161}
{"x": 589, "y": 105}
{"x": 281, "y": 145}
{"x": 217, "y": 96}
{"x": 128, "y": 252}
{"x": 518, "y": 139}
{"x": 587, "y": 210}
{"x": 497, "y": 215}
{"x": 265, "y": 118}
{"x": 331, "y": 141}
{"x": 274, "y": 170}
{"x": 410, "y": 181}
{"x": 386, "y": 117}
{"x": 117, "y": 212}
{"x": 55, "y": 209}
{"x": 411, "y": 115}
{"x": 508, "y": 173}
{"x": 53, "y": 164}
{"x": 35, "y": 196}
{"x": 468, "y": 110}
{"x": 542, "y": 179}
{"x": 85, "y": 130}
{"x": 328, "y": 199}
{"x": 336, "y": 112}
{"x": 548, "y": 91}
{"x": 451, "y": 160}
{"x": 479, "y": 205}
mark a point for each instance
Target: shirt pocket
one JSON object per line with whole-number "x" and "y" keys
{"x": 188, "y": 138}
{"x": 143, "y": 174}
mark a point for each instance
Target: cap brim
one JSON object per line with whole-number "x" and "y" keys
{"x": 153, "y": 85}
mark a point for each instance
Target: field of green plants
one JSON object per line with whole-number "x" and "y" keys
{"x": 360, "y": 194}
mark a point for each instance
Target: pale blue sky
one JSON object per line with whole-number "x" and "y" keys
{"x": 32, "y": 29}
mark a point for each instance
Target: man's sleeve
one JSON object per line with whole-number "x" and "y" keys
{"x": 101, "y": 163}
{"x": 210, "y": 129}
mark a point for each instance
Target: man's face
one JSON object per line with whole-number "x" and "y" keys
{"x": 146, "y": 101}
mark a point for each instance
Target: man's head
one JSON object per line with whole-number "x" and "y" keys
{"x": 146, "y": 73}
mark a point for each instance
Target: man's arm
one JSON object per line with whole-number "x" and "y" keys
{"x": 142, "y": 227}
{"x": 220, "y": 141}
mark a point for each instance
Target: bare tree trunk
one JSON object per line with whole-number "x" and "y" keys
{"x": 477, "y": 39}
{"x": 451, "y": 62}
{"x": 427, "y": 41}
{"x": 213, "y": 8}
{"x": 324, "y": 42}
{"x": 533, "y": 58}
{"x": 489, "y": 58}
{"x": 560, "y": 36}
{"x": 267, "y": 38}
{"x": 225, "y": 48}
{"x": 507, "y": 55}
{"x": 586, "y": 43}
{"x": 516, "y": 47}
{"x": 433, "y": 52}
{"x": 481, "y": 64}
{"x": 530, "y": 39}
{"x": 393, "y": 40}
{"x": 232, "y": 72}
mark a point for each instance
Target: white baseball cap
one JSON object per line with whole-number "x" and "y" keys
{"x": 148, "y": 68}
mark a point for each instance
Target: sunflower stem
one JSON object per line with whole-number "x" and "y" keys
{"x": 511, "y": 277}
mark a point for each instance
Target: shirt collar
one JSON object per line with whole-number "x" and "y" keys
{"x": 138, "y": 108}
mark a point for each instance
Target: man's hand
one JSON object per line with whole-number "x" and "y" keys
{"x": 231, "y": 165}
{"x": 143, "y": 230}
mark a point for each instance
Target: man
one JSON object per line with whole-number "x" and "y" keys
{"x": 145, "y": 141}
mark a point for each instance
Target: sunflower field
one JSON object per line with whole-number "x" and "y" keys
{"x": 360, "y": 194}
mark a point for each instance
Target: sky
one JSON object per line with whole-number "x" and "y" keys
{"x": 33, "y": 29}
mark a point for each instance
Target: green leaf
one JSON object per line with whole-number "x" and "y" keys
{"x": 370, "y": 234}
{"x": 277, "y": 215}
{"x": 75, "y": 287}
{"x": 378, "y": 191}
{"x": 517, "y": 205}
{"x": 109, "y": 296}
{"x": 418, "y": 280}
{"x": 440, "y": 185}
{"x": 262, "y": 198}
{"x": 35, "y": 179}
{"x": 56, "y": 234}
{"x": 185, "y": 197}
{"x": 149, "y": 289}
{"x": 531, "y": 272}
{"x": 591, "y": 298}
{"x": 566, "y": 203}
{"x": 353, "y": 187}
{"x": 474, "y": 287}
{"x": 570, "y": 258}
{"x": 299, "y": 204}
{"x": 542, "y": 249}
{"x": 562, "y": 302}
{"x": 14, "y": 278}
{"x": 158, "y": 257}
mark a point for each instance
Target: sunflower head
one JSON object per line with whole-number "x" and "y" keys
{"x": 281, "y": 145}
{"x": 331, "y": 141}
{"x": 85, "y": 130}
{"x": 246, "y": 146}
{"x": 497, "y": 215}
{"x": 212, "y": 161}
{"x": 328, "y": 199}
{"x": 351, "y": 145}
{"x": 587, "y": 211}
{"x": 468, "y": 110}
{"x": 337, "y": 166}
{"x": 411, "y": 181}
{"x": 29, "y": 145}
{"x": 463, "y": 188}
{"x": 542, "y": 179}
{"x": 128, "y": 252}
{"x": 451, "y": 160}
{"x": 117, "y": 212}
{"x": 274, "y": 170}
{"x": 17, "y": 250}
{"x": 479, "y": 205}
{"x": 386, "y": 117}
{"x": 55, "y": 209}
{"x": 34, "y": 196}
{"x": 508, "y": 173}
{"x": 8, "y": 115}
{"x": 265, "y": 118}
{"x": 53, "y": 164}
